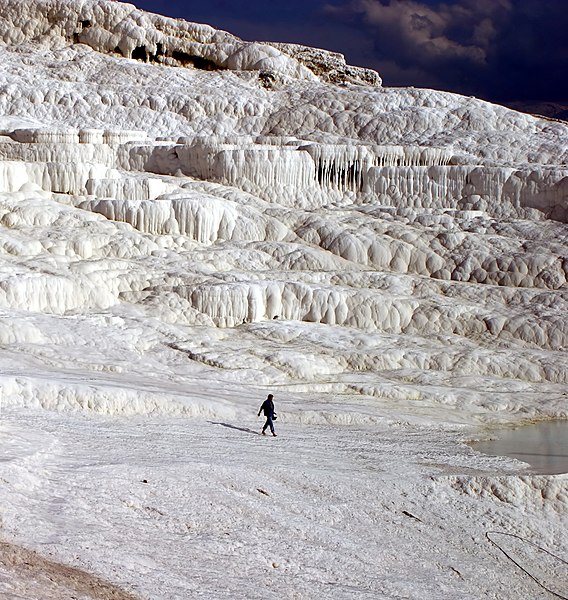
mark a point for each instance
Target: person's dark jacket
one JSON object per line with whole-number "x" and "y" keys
{"x": 268, "y": 408}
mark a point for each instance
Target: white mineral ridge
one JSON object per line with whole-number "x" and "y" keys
{"x": 188, "y": 222}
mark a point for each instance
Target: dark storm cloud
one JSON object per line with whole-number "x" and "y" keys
{"x": 500, "y": 50}
{"x": 422, "y": 34}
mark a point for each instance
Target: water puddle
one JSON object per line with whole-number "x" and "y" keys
{"x": 544, "y": 446}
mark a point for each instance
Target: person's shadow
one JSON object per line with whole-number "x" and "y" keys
{"x": 229, "y": 426}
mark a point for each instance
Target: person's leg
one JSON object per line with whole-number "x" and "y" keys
{"x": 266, "y": 425}
{"x": 269, "y": 421}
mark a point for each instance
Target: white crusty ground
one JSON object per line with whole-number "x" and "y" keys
{"x": 176, "y": 243}
{"x": 165, "y": 507}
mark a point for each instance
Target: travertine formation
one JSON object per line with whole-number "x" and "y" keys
{"x": 189, "y": 221}
{"x": 249, "y": 191}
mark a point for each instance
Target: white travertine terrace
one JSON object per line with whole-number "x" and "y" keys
{"x": 327, "y": 188}
{"x": 116, "y": 28}
{"x": 188, "y": 219}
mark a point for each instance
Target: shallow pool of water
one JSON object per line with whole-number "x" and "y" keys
{"x": 543, "y": 445}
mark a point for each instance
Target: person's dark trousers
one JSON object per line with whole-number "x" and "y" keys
{"x": 268, "y": 423}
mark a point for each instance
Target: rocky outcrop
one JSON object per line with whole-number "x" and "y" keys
{"x": 329, "y": 66}
{"x": 121, "y": 29}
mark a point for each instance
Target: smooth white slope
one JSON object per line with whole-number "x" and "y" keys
{"x": 175, "y": 509}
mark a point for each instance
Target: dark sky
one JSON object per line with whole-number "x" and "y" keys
{"x": 504, "y": 51}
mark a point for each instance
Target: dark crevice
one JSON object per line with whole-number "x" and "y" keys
{"x": 160, "y": 54}
{"x": 85, "y": 24}
{"x": 349, "y": 177}
{"x": 139, "y": 53}
{"x": 199, "y": 62}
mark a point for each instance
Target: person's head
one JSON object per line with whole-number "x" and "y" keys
{"x": 270, "y": 396}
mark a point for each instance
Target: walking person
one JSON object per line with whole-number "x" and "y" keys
{"x": 268, "y": 409}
